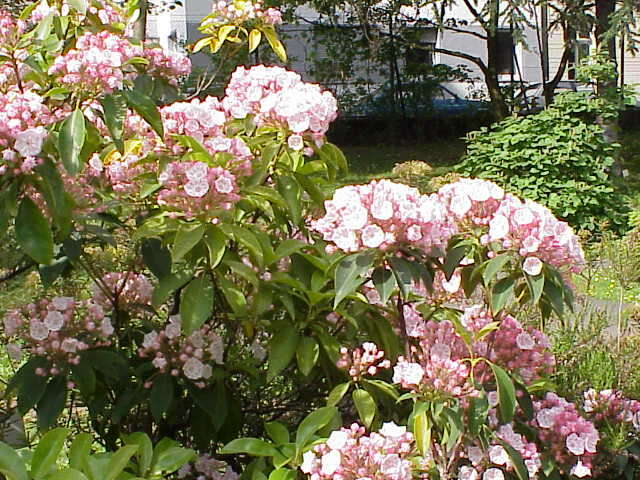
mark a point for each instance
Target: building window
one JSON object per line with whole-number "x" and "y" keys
{"x": 504, "y": 52}
{"x": 421, "y": 54}
{"x": 581, "y": 50}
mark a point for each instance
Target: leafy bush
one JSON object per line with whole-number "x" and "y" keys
{"x": 558, "y": 157}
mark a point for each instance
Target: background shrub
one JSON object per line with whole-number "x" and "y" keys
{"x": 558, "y": 157}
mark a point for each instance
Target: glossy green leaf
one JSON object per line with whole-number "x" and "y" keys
{"x": 501, "y": 293}
{"x": 67, "y": 474}
{"x": 156, "y": 257}
{"x": 79, "y": 6}
{"x": 170, "y": 459}
{"x": 251, "y": 446}
{"x": 119, "y": 461}
{"x": 477, "y": 413}
{"x": 522, "y": 473}
{"x": 536, "y": 286}
{"x": 144, "y": 454}
{"x": 283, "y": 474}
{"x": 11, "y": 465}
{"x": 146, "y": 108}
{"x": 52, "y": 402}
{"x": 188, "y": 236}
{"x": 493, "y": 266}
{"x": 506, "y": 394}
{"x": 421, "y": 428}
{"x": 80, "y": 450}
{"x": 167, "y": 285}
{"x": 290, "y": 190}
{"x": 365, "y": 405}
{"x": 275, "y": 43}
{"x": 278, "y": 432}
{"x": 282, "y": 348}
{"x": 71, "y": 140}
{"x": 115, "y": 112}
{"x": 47, "y": 451}
{"x": 307, "y": 354}
{"x": 161, "y": 395}
{"x": 350, "y": 275}
{"x": 197, "y": 303}
{"x": 312, "y": 423}
{"x": 453, "y": 259}
{"x": 254, "y": 39}
{"x": 337, "y": 393}
{"x": 216, "y": 242}
{"x": 385, "y": 282}
{"x": 33, "y": 232}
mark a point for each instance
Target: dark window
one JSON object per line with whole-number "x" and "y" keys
{"x": 504, "y": 52}
{"x": 422, "y": 54}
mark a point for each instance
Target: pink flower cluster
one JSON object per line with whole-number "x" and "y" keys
{"x": 240, "y": 11}
{"x": 350, "y": 454}
{"x": 207, "y": 468}
{"x": 471, "y": 201}
{"x": 440, "y": 366}
{"x": 167, "y": 65}
{"x": 611, "y": 406}
{"x": 23, "y": 117}
{"x": 124, "y": 289}
{"x": 381, "y": 215}
{"x": 524, "y": 352}
{"x": 279, "y": 97}
{"x": 490, "y": 464}
{"x": 571, "y": 439}
{"x": 536, "y": 234}
{"x": 195, "y": 189}
{"x": 97, "y": 64}
{"x": 440, "y": 357}
{"x": 190, "y": 357}
{"x": 121, "y": 174}
{"x": 58, "y": 330}
{"x": 366, "y": 360}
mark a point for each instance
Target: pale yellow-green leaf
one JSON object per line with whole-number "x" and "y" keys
{"x": 254, "y": 39}
{"x": 200, "y": 44}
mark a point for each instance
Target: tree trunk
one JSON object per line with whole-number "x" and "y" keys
{"x": 140, "y": 28}
{"x": 498, "y": 103}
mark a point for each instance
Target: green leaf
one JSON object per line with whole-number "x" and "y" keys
{"x": 282, "y": 347}
{"x": 290, "y": 190}
{"x": 337, "y": 393}
{"x": 350, "y": 275}
{"x": 422, "y": 431}
{"x": 385, "y": 282}
{"x": 52, "y": 402}
{"x": 275, "y": 43}
{"x": 254, "y": 39}
{"x": 536, "y": 286}
{"x": 85, "y": 377}
{"x": 307, "y": 354}
{"x": 156, "y": 257}
{"x": 453, "y": 259}
{"x": 283, "y": 474}
{"x": 278, "y": 432}
{"x": 312, "y": 423}
{"x": 187, "y": 237}
{"x": 493, "y": 266}
{"x": 478, "y": 412}
{"x": 167, "y": 285}
{"x": 33, "y": 232}
{"x": 161, "y": 395}
{"x": 67, "y": 474}
{"x": 47, "y": 451}
{"x": 144, "y": 454}
{"x": 79, "y": 6}
{"x": 501, "y": 293}
{"x": 216, "y": 242}
{"x": 115, "y": 112}
{"x": 289, "y": 246}
{"x": 251, "y": 446}
{"x": 146, "y": 108}
{"x": 59, "y": 202}
{"x": 506, "y": 394}
{"x": 248, "y": 239}
{"x": 516, "y": 461}
{"x": 197, "y": 303}
{"x": 365, "y": 405}
{"x": 171, "y": 459}
{"x": 71, "y": 141}
{"x": 80, "y": 450}
{"x": 119, "y": 461}
{"x": 11, "y": 465}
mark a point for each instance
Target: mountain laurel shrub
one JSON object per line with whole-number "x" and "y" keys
{"x": 558, "y": 157}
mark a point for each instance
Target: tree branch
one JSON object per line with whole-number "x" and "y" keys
{"x": 17, "y": 270}
{"x": 476, "y": 60}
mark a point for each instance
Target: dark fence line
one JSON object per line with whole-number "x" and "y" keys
{"x": 394, "y": 130}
